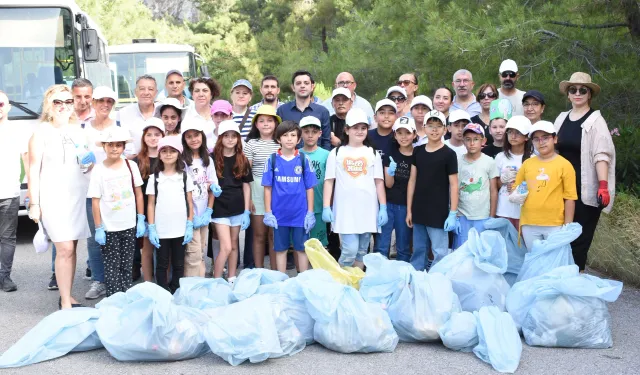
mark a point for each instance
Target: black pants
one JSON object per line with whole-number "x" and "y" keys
{"x": 117, "y": 255}
{"x": 334, "y": 243}
{"x": 588, "y": 217}
{"x": 174, "y": 249}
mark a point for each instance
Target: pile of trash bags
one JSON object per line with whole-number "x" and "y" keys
{"x": 477, "y": 299}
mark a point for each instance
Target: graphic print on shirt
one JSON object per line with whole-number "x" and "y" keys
{"x": 470, "y": 184}
{"x": 403, "y": 170}
{"x": 542, "y": 179}
{"x": 118, "y": 192}
{"x": 355, "y": 167}
{"x": 200, "y": 185}
{"x": 316, "y": 167}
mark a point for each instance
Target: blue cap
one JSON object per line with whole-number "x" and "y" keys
{"x": 242, "y": 82}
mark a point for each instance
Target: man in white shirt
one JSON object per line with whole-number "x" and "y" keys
{"x": 508, "y": 74}
{"x": 346, "y": 80}
{"x": 133, "y": 116}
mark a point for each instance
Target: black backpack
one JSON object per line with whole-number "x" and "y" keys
{"x": 272, "y": 160}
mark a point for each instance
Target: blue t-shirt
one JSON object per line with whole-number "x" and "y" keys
{"x": 289, "y": 189}
{"x": 381, "y": 143}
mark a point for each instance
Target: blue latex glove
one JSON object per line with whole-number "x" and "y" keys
{"x": 382, "y": 215}
{"x": 392, "y": 167}
{"x": 309, "y": 222}
{"x": 246, "y": 220}
{"x": 450, "y": 223}
{"x": 458, "y": 227}
{"x": 327, "y": 215}
{"x": 270, "y": 220}
{"x": 88, "y": 158}
{"x": 188, "y": 233}
{"x": 101, "y": 236}
{"x": 141, "y": 226}
{"x": 204, "y": 219}
{"x": 216, "y": 190}
{"x": 153, "y": 236}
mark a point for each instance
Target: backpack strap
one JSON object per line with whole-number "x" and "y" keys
{"x": 303, "y": 160}
{"x": 184, "y": 183}
{"x": 272, "y": 161}
{"x": 155, "y": 185}
{"x": 133, "y": 186}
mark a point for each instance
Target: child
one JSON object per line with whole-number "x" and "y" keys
{"x": 220, "y": 111}
{"x": 170, "y": 212}
{"x": 434, "y": 176}
{"x": 551, "y": 182}
{"x": 381, "y": 136}
{"x": 499, "y": 114}
{"x": 233, "y": 196}
{"x": 260, "y": 145}
{"x": 458, "y": 119}
{"x": 420, "y": 106}
{"x": 311, "y": 132}
{"x": 478, "y": 187}
{"x": 288, "y": 182}
{"x": 202, "y": 171}
{"x": 171, "y": 113}
{"x": 516, "y": 150}
{"x": 116, "y": 197}
{"x": 356, "y": 170}
{"x": 397, "y": 170}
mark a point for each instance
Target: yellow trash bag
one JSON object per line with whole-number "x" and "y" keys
{"x": 321, "y": 259}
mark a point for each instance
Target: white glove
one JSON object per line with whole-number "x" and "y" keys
{"x": 518, "y": 198}
{"x": 34, "y": 212}
{"x": 507, "y": 176}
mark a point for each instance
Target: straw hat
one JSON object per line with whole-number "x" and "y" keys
{"x": 580, "y": 78}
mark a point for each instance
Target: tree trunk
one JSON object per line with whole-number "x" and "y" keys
{"x": 632, "y": 13}
{"x": 325, "y": 46}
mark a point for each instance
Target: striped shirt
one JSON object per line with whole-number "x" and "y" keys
{"x": 237, "y": 117}
{"x": 258, "y": 151}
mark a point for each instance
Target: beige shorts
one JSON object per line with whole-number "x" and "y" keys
{"x": 257, "y": 197}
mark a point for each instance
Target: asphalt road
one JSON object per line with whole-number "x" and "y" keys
{"x": 21, "y": 310}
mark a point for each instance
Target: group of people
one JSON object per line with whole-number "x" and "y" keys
{"x": 166, "y": 183}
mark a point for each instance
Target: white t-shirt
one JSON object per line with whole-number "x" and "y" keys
{"x": 117, "y": 197}
{"x": 506, "y": 208}
{"x": 355, "y": 201}
{"x": 208, "y": 125}
{"x": 94, "y": 135}
{"x": 516, "y": 101}
{"x": 460, "y": 150}
{"x": 14, "y": 141}
{"x": 202, "y": 178}
{"x": 171, "y": 209}
{"x": 475, "y": 186}
{"x": 131, "y": 118}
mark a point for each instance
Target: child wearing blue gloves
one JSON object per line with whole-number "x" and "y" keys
{"x": 115, "y": 189}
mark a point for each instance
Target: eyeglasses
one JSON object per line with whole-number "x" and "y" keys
{"x": 404, "y": 82}
{"x": 531, "y": 104}
{"x": 434, "y": 127}
{"x": 542, "y": 139}
{"x": 459, "y": 81}
{"x": 397, "y": 99}
{"x": 59, "y": 103}
{"x": 509, "y": 74}
{"x": 344, "y": 83}
{"x": 490, "y": 95}
{"x": 581, "y": 90}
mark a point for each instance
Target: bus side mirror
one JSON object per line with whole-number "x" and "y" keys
{"x": 204, "y": 71}
{"x": 90, "y": 45}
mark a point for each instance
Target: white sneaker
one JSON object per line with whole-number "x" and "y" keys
{"x": 231, "y": 281}
{"x": 96, "y": 290}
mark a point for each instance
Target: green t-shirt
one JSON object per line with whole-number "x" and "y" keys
{"x": 318, "y": 161}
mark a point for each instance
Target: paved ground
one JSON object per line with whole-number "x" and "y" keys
{"x": 21, "y": 310}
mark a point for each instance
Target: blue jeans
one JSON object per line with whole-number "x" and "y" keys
{"x": 354, "y": 248}
{"x": 425, "y": 237}
{"x": 465, "y": 226}
{"x": 397, "y": 215}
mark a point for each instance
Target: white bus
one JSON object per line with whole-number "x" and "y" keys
{"x": 46, "y": 42}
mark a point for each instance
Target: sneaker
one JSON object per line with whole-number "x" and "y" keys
{"x": 232, "y": 281}
{"x": 8, "y": 285}
{"x": 53, "y": 284}
{"x": 97, "y": 290}
{"x": 87, "y": 274}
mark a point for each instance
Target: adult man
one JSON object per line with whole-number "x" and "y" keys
{"x": 270, "y": 89}
{"x": 409, "y": 81}
{"x": 82, "y": 91}
{"x": 342, "y": 102}
{"x": 508, "y": 77}
{"x": 174, "y": 85}
{"x": 346, "y": 80}
{"x": 302, "y": 85}
{"x": 464, "y": 98}
{"x": 133, "y": 116}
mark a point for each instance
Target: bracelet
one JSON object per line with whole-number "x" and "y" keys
{"x": 34, "y": 204}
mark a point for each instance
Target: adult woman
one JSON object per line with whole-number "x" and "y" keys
{"x": 241, "y": 94}
{"x": 533, "y": 105}
{"x": 398, "y": 95}
{"x": 409, "y": 81}
{"x": 57, "y": 188}
{"x": 203, "y": 91}
{"x": 584, "y": 140}
{"x": 485, "y": 95}
{"x": 442, "y": 99}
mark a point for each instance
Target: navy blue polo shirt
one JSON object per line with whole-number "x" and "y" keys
{"x": 289, "y": 112}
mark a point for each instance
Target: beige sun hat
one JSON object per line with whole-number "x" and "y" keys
{"x": 580, "y": 78}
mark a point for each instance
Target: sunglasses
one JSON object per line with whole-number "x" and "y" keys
{"x": 509, "y": 74}
{"x": 397, "y": 99}
{"x": 490, "y": 95}
{"x": 405, "y": 82}
{"x": 59, "y": 103}
{"x": 2, "y": 104}
{"x": 581, "y": 90}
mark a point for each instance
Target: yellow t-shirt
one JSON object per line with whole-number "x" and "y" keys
{"x": 550, "y": 182}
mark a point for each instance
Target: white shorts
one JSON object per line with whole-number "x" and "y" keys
{"x": 233, "y": 221}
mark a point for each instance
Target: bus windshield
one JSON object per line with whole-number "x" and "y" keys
{"x": 39, "y": 53}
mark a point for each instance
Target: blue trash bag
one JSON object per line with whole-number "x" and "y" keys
{"x": 475, "y": 270}
{"x": 149, "y": 327}
{"x": 515, "y": 252}
{"x": 460, "y": 332}
{"x": 249, "y": 280}
{"x": 201, "y": 293}
{"x": 423, "y": 307}
{"x": 254, "y": 329}
{"x": 345, "y": 323}
{"x": 64, "y": 331}
{"x": 499, "y": 343}
{"x": 384, "y": 280}
{"x": 564, "y": 308}
{"x": 551, "y": 253}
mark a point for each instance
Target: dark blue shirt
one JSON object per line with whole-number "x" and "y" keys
{"x": 381, "y": 143}
{"x": 290, "y": 112}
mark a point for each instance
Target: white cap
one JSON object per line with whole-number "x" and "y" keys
{"x": 115, "y": 134}
{"x": 457, "y": 115}
{"x": 544, "y": 126}
{"x": 404, "y": 122}
{"x": 383, "y": 102}
{"x": 356, "y": 116}
{"x": 228, "y": 125}
{"x": 508, "y": 65}
{"x": 397, "y": 89}
{"x": 519, "y": 123}
{"x": 173, "y": 102}
{"x": 422, "y": 99}
{"x": 192, "y": 123}
{"x": 154, "y": 122}
{"x": 436, "y": 114}
{"x": 102, "y": 92}
{"x": 310, "y": 120}
{"x": 341, "y": 91}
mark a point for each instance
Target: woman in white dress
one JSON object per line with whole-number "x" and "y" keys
{"x": 57, "y": 187}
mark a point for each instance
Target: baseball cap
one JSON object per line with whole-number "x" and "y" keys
{"x": 519, "y": 123}
{"x": 544, "y": 126}
{"x": 422, "y": 99}
{"x": 172, "y": 141}
{"x": 171, "y": 102}
{"x": 476, "y": 128}
{"x": 310, "y": 120}
{"x": 154, "y": 122}
{"x": 356, "y": 116}
{"x": 535, "y": 94}
{"x": 192, "y": 123}
{"x": 173, "y": 71}
{"x": 385, "y": 101}
{"x": 405, "y": 123}
{"x": 397, "y": 89}
{"x": 227, "y": 125}
{"x": 436, "y": 114}
{"x": 266, "y": 109}
{"x": 508, "y": 65}
{"x": 459, "y": 114}
{"x": 102, "y": 92}
{"x": 221, "y": 106}
{"x": 341, "y": 91}
{"x": 116, "y": 134}
{"x": 500, "y": 108}
{"x": 242, "y": 82}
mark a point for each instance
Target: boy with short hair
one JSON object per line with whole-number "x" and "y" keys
{"x": 458, "y": 119}
{"x": 499, "y": 114}
{"x": 381, "y": 137}
{"x": 421, "y": 105}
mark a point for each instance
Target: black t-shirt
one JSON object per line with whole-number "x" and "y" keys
{"x": 569, "y": 141}
{"x": 381, "y": 143}
{"x": 397, "y": 194}
{"x": 231, "y": 201}
{"x": 491, "y": 150}
{"x": 153, "y": 162}
{"x": 431, "y": 196}
{"x": 477, "y": 120}
{"x": 337, "y": 126}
